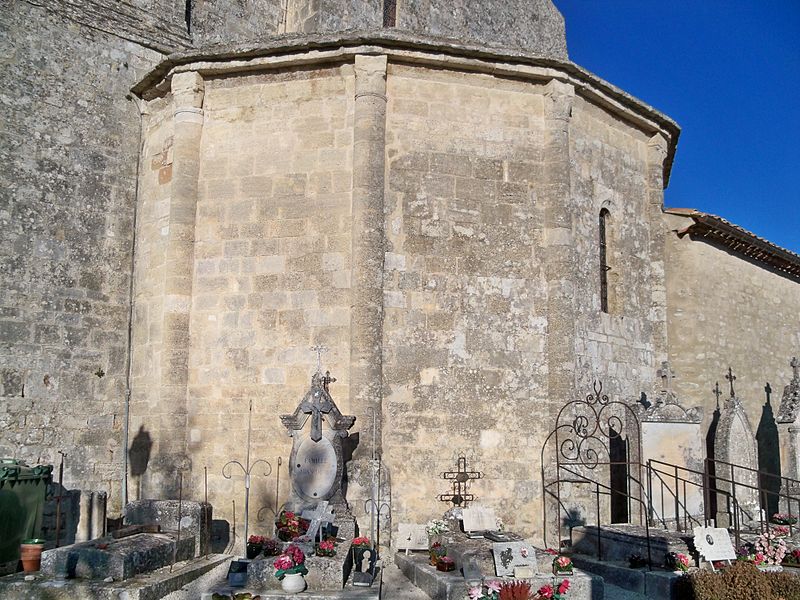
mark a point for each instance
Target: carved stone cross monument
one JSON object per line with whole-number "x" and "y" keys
{"x": 789, "y": 433}
{"x": 316, "y": 464}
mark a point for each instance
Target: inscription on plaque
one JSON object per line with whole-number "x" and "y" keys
{"x": 315, "y": 467}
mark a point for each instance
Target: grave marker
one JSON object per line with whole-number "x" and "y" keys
{"x": 509, "y": 556}
{"x": 411, "y": 537}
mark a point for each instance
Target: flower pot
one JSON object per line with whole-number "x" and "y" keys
{"x": 293, "y": 583}
{"x": 31, "y": 555}
{"x": 254, "y": 550}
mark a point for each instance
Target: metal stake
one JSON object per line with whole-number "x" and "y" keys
{"x": 58, "y": 498}
{"x": 247, "y": 468}
{"x": 180, "y": 506}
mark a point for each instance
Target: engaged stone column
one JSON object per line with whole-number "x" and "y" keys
{"x": 559, "y": 244}
{"x": 560, "y": 260}
{"x": 656, "y": 155}
{"x": 187, "y": 90}
{"x": 366, "y": 321}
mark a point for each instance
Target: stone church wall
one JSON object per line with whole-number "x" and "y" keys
{"x": 271, "y": 269}
{"x": 69, "y": 142}
{"x": 465, "y": 308}
{"x": 727, "y": 311}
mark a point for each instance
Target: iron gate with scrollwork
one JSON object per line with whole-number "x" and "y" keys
{"x": 596, "y": 442}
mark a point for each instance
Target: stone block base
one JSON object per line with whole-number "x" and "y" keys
{"x": 618, "y": 542}
{"x": 451, "y": 586}
{"x": 120, "y": 559}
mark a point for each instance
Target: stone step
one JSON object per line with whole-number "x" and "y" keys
{"x": 184, "y": 581}
{"x": 618, "y": 542}
{"x": 656, "y": 584}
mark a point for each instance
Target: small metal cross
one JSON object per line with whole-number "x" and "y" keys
{"x": 717, "y": 393}
{"x": 795, "y": 364}
{"x": 731, "y": 377}
{"x": 319, "y": 349}
{"x": 461, "y": 478}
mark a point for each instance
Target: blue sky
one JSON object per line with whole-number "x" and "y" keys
{"x": 729, "y": 73}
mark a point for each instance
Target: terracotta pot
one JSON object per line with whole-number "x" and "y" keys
{"x": 31, "y": 555}
{"x": 293, "y": 583}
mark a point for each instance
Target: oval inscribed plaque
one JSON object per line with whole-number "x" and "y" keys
{"x": 315, "y": 468}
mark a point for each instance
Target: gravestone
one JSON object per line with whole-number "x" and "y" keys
{"x": 411, "y": 536}
{"x": 735, "y": 443}
{"x": 713, "y": 544}
{"x": 673, "y": 434}
{"x": 365, "y": 574}
{"x": 788, "y": 422}
{"x": 509, "y": 556}
{"x": 316, "y": 463}
{"x": 479, "y": 518}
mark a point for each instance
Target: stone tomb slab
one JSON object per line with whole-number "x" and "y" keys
{"x": 120, "y": 559}
{"x": 451, "y": 586}
{"x": 195, "y": 519}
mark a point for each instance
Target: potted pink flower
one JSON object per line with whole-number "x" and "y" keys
{"x": 326, "y": 548}
{"x": 290, "y": 569}
{"x": 562, "y": 565}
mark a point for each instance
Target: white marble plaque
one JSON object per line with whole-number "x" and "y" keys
{"x": 315, "y": 468}
{"x": 411, "y": 537}
{"x": 509, "y": 556}
{"x": 479, "y": 518}
{"x": 714, "y": 543}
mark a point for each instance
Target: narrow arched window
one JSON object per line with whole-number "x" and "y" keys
{"x": 604, "y": 268}
{"x": 389, "y": 13}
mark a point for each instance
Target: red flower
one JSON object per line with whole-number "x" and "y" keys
{"x": 546, "y": 591}
{"x": 563, "y": 587}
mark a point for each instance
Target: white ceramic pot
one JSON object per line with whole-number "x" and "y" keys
{"x": 293, "y": 583}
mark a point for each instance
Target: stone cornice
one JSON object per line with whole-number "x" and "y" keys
{"x": 302, "y": 50}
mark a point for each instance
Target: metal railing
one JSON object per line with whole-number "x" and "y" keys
{"x": 674, "y": 489}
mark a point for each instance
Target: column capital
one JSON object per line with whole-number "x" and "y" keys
{"x": 188, "y": 90}
{"x": 657, "y": 148}
{"x": 559, "y": 97}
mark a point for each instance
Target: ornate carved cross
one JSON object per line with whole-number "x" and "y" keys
{"x": 795, "y": 364}
{"x": 316, "y": 408}
{"x": 731, "y": 377}
{"x": 460, "y": 477}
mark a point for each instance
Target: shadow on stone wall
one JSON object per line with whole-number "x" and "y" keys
{"x": 139, "y": 457}
{"x": 769, "y": 458}
{"x": 711, "y": 437}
